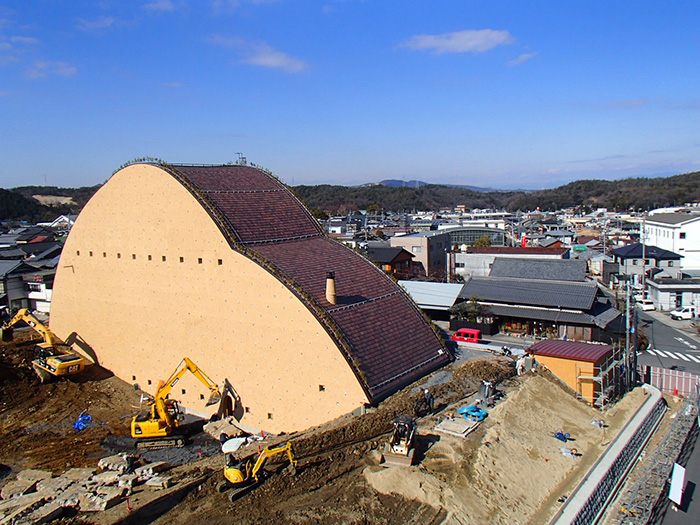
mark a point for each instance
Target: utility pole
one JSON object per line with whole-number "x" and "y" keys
{"x": 644, "y": 255}
{"x": 627, "y": 336}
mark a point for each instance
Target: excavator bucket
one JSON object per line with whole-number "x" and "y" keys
{"x": 7, "y": 335}
{"x": 390, "y": 459}
{"x": 214, "y": 398}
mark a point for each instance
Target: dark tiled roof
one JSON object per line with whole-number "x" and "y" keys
{"x": 551, "y": 269}
{"x": 600, "y": 317}
{"x": 635, "y": 251}
{"x": 379, "y": 330}
{"x": 571, "y": 350}
{"x": 387, "y": 255}
{"x": 533, "y": 292}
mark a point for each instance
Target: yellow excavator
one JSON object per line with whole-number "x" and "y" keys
{"x": 158, "y": 426}
{"x": 53, "y": 359}
{"x": 244, "y": 475}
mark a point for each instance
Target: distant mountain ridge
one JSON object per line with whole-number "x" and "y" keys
{"x": 396, "y": 183}
{"x": 621, "y": 195}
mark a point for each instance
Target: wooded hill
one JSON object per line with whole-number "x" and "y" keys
{"x": 620, "y": 195}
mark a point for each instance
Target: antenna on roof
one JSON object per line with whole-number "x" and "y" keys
{"x": 241, "y": 159}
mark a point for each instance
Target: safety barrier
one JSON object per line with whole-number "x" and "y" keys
{"x": 590, "y": 498}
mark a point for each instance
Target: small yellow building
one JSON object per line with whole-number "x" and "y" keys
{"x": 589, "y": 369}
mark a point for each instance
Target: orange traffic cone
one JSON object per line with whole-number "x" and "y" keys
{"x": 675, "y": 392}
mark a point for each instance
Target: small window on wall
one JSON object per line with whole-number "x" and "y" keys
{"x": 682, "y": 235}
{"x": 77, "y": 253}
{"x": 670, "y": 263}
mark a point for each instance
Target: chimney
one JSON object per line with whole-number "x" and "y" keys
{"x": 330, "y": 287}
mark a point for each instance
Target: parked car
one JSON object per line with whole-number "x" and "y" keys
{"x": 468, "y": 335}
{"x": 646, "y": 305}
{"x": 685, "y": 313}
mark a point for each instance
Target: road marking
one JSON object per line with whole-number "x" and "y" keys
{"x": 686, "y": 343}
{"x": 673, "y": 355}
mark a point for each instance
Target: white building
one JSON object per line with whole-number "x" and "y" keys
{"x": 676, "y": 232}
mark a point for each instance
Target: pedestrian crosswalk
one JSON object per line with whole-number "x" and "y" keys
{"x": 673, "y": 355}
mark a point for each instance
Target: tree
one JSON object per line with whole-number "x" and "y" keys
{"x": 483, "y": 241}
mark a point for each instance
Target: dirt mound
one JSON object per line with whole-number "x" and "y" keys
{"x": 39, "y": 418}
{"x": 493, "y": 369}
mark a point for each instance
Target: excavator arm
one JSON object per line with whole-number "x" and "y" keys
{"x": 187, "y": 365}
{"x": 268, "y": 453}
{"x": 50, "y": 339}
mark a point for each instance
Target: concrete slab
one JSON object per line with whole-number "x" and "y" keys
{"x": 457, "y": 427}
{"x": 150, "y": 470}
{"x": 18, "y": 487}
{"x": 160, "y": 482}
{"x": 109, "y": 477}
{"x": 20, "y": 506}
{"x": 77, "y": 474}
{"x": 33, "y": 474}
{"x": 117, "y": 463}
{"x": 52, "y": 486}
{"x": 70, "y": 497}
{"x": 98, "y": 502}
{"x": 44, "y": 514}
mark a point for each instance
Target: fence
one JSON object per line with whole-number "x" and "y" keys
{"x": 670, "y": 381}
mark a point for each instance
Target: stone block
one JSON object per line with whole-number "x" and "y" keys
{"x": 109, "y": 477}
{"x": 52, "y": 486}
{"x": 127, "y": 480}
{"x": 117, "y": 463}
{"x": 160, "y": 482}
{"x": 111, "y": 492}
{"x": 18, "y": 487}
{"x": 78, "y": 474}
{"x": 150, "y": 470}
{"x": 31, "y": 474}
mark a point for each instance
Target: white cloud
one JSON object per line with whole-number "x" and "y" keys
{"x": 160, "y": 5}
{"x": 467, "y": 41}
{"x": 51, "y": 68}
{"x": 102, "y": 22}
{"x": 260, "y": 54}
{"x": 24, "y": 40}
{"x": 264, "y": 55}
{"x": 635, "y": 103}
{"x": 522, "y": 58}
{"x": 226, "y": 6}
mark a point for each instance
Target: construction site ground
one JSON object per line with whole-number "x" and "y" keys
{"x": 510, "y": 470}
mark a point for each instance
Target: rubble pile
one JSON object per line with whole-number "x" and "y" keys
{"x": 36, "y": 496}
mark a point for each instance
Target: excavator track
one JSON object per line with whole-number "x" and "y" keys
{"x": 160, "y": 443}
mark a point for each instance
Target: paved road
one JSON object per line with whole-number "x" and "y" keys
{"x": 673, "y": 345}
{"x": 688, "y": 510}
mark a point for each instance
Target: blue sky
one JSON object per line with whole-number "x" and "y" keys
{"x": 504, "y": 94}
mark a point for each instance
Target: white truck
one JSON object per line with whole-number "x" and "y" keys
{"x": 684, "y": 313}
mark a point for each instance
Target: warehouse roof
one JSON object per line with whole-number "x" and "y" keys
{"x": 376, "y": 325}
{"x": 591, "y": 353}
{"x": 434, "y": 296}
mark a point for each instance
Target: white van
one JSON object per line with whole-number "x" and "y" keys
{"x": 685, "y": 313}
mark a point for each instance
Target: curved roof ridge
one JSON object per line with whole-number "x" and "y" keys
{"x": 371, "y": 322}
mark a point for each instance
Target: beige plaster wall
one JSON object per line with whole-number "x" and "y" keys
{"x": 568, "y": 370}
{"x": 146, "y": 278}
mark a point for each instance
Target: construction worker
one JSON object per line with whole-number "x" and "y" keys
{"x": 429, "y": 401}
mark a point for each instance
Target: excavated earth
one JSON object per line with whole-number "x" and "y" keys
{"x": 510, "y": 470}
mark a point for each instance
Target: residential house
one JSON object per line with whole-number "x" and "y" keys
{"x": 544, "y": 308}
{"x": 635, "y": 262}
{"x": 429, "y": 248}
{"x": 394, "y": 261}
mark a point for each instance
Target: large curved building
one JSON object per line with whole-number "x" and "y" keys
{"x": 222, "y": 264}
